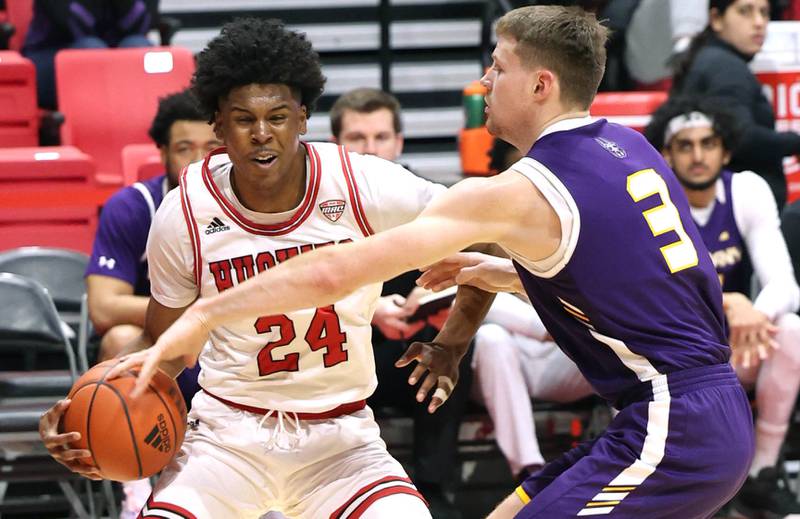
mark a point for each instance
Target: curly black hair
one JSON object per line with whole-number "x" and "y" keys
{"x": 174, "y": 107}
{"x": 261, "y": 51}
{"x": 725, "y": 122}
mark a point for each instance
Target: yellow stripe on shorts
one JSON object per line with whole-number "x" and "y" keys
{"x": 522, "y": 495}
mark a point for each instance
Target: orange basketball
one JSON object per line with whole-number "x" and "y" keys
{"x": 129, "y": 439}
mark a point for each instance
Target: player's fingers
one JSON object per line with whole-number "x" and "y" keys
{"x": 426, "y": 386}
{"x": 746, "y": 359}
{"x": 52, "y": 416}
{"x": 411, "y": 354}
{"x": 126, "y": 363}
{"x": 146, "y": 373}
{"x": 443, "y": 391}
{"x": 73, "y": 454}
{"x": 59, "y": 441}
{"x": 418, "y": 372}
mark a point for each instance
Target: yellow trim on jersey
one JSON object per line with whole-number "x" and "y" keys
{"x": 524, "y": 497}
{"x": 602, "y": 503}
{"x": 618, "y": 489}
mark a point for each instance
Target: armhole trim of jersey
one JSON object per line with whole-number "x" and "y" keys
{"x": 355, "y": 198}
{"x": 545, "y": 268}
{"x": 191, "y": 225}
{"x": 151, "y": 206}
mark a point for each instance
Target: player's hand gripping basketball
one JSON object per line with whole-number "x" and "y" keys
{"x": 438, "y": 365}
{"x": 183, "y": 340}
{"x": 58, "y": 443}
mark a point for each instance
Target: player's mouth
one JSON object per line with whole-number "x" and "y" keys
{"x": 264, "y": 160}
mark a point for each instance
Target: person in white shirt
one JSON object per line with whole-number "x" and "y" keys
{"x": 738, "y": 220}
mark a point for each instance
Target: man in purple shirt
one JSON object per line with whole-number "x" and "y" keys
{"x": 738, "y": 220}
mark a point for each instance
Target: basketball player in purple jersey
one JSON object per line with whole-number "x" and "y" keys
{"x": 601, "y": 236}
{"x": 738, "y": 220}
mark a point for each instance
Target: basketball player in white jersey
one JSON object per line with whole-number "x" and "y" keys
{"x": 281, "y": 423}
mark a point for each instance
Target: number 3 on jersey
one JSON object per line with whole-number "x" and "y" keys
{"x": 663, "y": 218}
{"x": 323, "y": 332}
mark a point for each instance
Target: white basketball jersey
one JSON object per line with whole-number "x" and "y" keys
{"x": 306, "y": 361}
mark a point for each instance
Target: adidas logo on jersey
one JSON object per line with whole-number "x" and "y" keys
{"x": 332, "y": 209}
{"x": 217, "y": 225}
{"x": 158, "y": 437}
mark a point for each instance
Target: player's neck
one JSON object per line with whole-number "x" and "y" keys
{"x": 556, "y": 114}
{"x": 272, "y": 195}
{"x": 701, "y": 199}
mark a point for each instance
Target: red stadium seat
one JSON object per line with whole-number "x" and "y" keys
{"x": 48, "y": 198}
{"x": 140, "y": 162}
{"x": 19, "y": 13}
{"x": 125, "y": 87}
{"x": 631, "y": 109}
{"x": 19, "y": 116}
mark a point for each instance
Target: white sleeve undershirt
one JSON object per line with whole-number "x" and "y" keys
{"x": 756, "y": 216}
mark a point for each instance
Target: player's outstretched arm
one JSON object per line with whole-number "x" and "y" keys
{"x": 505, "y": 208}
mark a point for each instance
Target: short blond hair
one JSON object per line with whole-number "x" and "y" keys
{"x": 568, "y": 41}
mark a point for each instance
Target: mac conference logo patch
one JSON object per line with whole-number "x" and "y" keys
{"x": 332, "y": 209}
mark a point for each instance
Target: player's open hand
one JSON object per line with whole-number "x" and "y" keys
{"x": 58, "y": 443}
{"x": 437, "y": 365}
{"x": 183, "y": 340}
{"x": 752, "y": 334}
{"x": 483, "y": 271}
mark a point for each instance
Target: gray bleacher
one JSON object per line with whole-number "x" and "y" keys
{"x": 435, "y": 51}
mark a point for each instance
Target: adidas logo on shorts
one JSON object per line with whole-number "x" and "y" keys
{"x": 217, "y": 225}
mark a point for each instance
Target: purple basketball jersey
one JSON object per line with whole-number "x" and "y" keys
{"x": 638, "y": 296}
{"x": 726, "y": 244}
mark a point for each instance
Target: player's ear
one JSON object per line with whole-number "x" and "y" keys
{"x": 667, "y": 156}
{"x": 303, "y": 119}
{"x": 726, "y": 158}
{"x": 544, "y": 81}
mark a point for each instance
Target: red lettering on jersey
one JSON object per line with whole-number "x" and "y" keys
{"x": 318, "y": 245}
{"x": 267, "y": 365}
{"x": 244, "y": 267}
{"x": 306, "y": 248}
{"x": 264, "y": 261}
{"x": 284, "y": 254}
{"x": 221, "y": 270}
{"x": 324, "y": 332}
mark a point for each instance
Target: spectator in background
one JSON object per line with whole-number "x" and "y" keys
{"x": 716, "y": 65}
{"x": 117, "y": 281}
{"x": 368, "y": 121}
{"x": 82, "y": 24}
{"x": 738, "y": 222}
{"x": 650, "y": 43}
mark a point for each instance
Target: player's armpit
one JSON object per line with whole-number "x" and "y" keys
{"x": 158, "y": 319}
